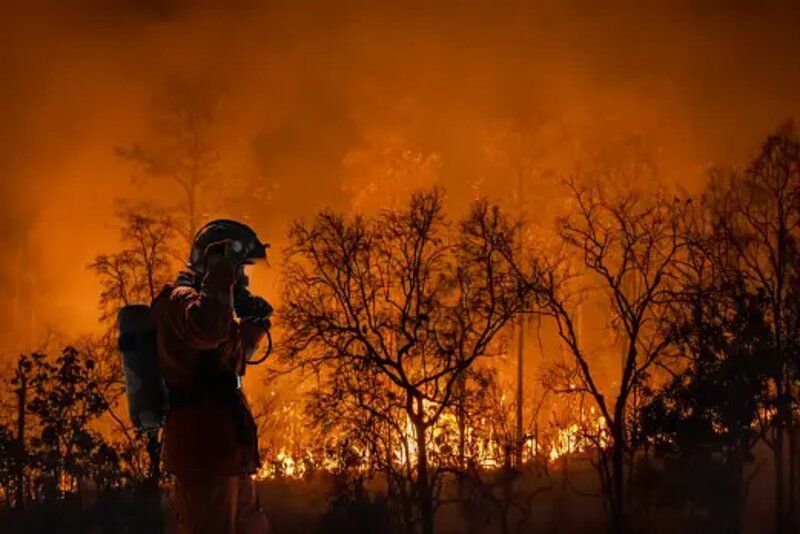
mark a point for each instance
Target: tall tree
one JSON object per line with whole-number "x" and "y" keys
{"x": 182, "y": 150}
{"x": 708, "y": 417}
{"x": 626, "y": 248}
{"x": 132, "y": 275}
{"x": 392, "y": 310}
{"x": 758, "y": 213}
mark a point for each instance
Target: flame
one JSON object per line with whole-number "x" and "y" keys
{"x": 282, "y": 465}
{"x": 575, "y": 440}
{"x": 486, "y": 450}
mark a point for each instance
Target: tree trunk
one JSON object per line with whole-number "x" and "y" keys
{"x": 792, "y": 469}
{"x": 779, "y": 453}
{"x": 736, "y": 465}
{"x": 461, "y": 416}
{"x": 520, "y": 378}
{"x": 21, "y": 394}
{"x": 424, "y": 493}
{"x": 192, "y": 216}
{"x": 616, "y": 494}
{"x": 783, "y": 417}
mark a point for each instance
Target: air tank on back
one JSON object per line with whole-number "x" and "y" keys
{"x": 144, "y": 384}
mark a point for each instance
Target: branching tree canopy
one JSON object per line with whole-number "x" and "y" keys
{"x": 625, "y": 249}
{"x": 406, "y": 300}
{"x": 182, "y": 150}
{"x": 133, "y": 275}
{"x": 756, "y": 213}
{"x": 136, "y": 273}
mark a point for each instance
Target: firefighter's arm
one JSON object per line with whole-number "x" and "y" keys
{"x": 203, "y": 319}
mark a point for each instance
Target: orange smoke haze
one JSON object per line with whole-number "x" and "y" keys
{"x": 345, "y": 105}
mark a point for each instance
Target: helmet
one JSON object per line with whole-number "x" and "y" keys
{"x": 243, "y": 240}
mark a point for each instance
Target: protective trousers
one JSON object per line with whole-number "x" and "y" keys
{"x": 219, "y": 505}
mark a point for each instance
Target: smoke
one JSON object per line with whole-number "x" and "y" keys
{"x": 320, "y": 102}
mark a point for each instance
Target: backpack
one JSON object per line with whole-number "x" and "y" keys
{"x": 145, "y": 388}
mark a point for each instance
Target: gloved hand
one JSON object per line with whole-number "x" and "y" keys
{"x": 219, "y": 273}
{"x": 219, "y": 253}
{"x": 251, "y": 308}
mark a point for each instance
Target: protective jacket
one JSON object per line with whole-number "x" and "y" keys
{"x": 202, "y": 351}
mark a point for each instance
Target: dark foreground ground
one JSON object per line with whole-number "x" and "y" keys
{"x": 558, "y": 504}
{"x": 570, "y": 507}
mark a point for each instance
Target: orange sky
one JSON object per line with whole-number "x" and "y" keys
{"x": 319, "y": 103}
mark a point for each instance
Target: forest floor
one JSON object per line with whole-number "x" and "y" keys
{"x": 558, "y": 504}
{"x": 570, "y": 504}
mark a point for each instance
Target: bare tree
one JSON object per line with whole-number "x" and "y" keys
{"x": 136, "y": 273}
{"x": 132, "y": 275}
{"x": 705, "y": 420}
{"x": 394, "y": 309}
{"x": 757, "y": 212}
{"x": 625, "y": 248}
{"x": 182, "y": 150}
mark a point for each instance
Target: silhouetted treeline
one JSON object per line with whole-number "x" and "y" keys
{"x": 399, "y": 317}
{"x": 394, "y": 313}
{"x": 60, "y": 470}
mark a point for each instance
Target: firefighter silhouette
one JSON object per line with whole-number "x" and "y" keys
{"x": 210, "y": 438}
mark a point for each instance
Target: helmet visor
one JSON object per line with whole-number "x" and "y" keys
{"x": 255, "y": 250}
